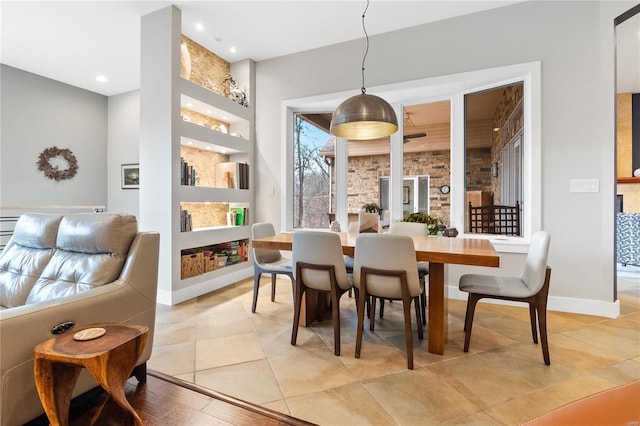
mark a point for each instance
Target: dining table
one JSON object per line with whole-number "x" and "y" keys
{"x": 436, "y": 250}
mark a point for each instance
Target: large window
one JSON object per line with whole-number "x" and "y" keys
{"x": 312, "y": 158}
{"x": 493, "y": 160}
{"x": 483, "y": 146}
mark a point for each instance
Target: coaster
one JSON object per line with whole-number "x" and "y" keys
{"x": 89, "y": 334}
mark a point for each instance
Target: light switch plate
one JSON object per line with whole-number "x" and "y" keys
{"x": 584, "y": 185}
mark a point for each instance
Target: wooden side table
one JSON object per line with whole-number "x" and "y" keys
{"x": 110, "y": 359}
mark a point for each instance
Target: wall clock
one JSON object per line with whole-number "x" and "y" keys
{"x": 445, "y": 189}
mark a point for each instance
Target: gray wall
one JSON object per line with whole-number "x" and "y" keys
{"x": 573, "y": 41}
{"x": 38, "y": 113}
{"x": 123, "y": 148}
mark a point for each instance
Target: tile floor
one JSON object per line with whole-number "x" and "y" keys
{"x": 216, "y": 342}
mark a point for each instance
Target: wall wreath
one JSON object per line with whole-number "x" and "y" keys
{"x": 52, "y": 171}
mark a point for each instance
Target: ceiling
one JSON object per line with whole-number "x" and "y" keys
{"x": 74, "y": 42}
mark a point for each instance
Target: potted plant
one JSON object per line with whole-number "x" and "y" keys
{"x": 434, "y": 225}
{"x": 372, "y": 208}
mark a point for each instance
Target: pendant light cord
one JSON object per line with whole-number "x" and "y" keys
{"x": 366, "y": 36}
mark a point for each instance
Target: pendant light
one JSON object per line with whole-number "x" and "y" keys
{"x": 364, "y": 116}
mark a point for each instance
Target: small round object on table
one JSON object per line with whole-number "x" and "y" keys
{"x": 89, "y": 333}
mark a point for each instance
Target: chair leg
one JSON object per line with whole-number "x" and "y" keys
{"x": 273, "y": 287}
{"x": 335, "y": 312}
{"x": 256, "y": 288}
{"x": 372, "y": 313}
{"x": 296, "y": 311}
{"x": 381, "y": 308}
{"x": 406, "y": 307}
{"x": 423, "y": 306}
{"x": 542, "y": 321}
{"x": 417, "y": 303}
{"x": 361, "y": 299}
{"x": 468, "y": 321}
{"x": 534, "y": 326}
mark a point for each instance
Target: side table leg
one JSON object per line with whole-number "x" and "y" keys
{"x": 112, "y": 371}
{"x": 55, "y": 383}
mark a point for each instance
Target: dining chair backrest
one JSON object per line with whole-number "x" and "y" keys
{"x": 408, "y": 228}
{"x": 536, "y": 264}
{"x": 261, "y": 256}
{"x": 319, "y": 248}
{"x": 368, "y": 222}
{"x": 354, "y": 228}
{"x": 388, "y": 252}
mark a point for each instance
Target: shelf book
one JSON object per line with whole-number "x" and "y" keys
{"x": 187, "y": 173}
{"x": 186, "y": 225}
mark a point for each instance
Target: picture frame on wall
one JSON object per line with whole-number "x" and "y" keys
{"x": 405, "y": 195}
{"x": 130, "y": 174}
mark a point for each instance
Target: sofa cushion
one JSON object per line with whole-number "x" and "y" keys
{"x": 26, "y": 255}
{"x": 91, "y": 250}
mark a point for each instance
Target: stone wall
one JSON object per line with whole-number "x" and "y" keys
{"x": 509, "y": 127}
{"x": 203, "y": 162}
{"x": 364, "y": 173}
{"x": 205, "y": 215}
{"x": 206, "y": 68}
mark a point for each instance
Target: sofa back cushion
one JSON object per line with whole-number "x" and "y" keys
{"x": 26, "y": 255}
{"x": 90, "y": 251}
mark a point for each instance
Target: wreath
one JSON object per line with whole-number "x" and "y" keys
{"x": 53, "y": 172}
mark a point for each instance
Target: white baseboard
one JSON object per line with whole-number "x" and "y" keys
{"x": 555, "y": 303}
{"x": 171, "y": 298}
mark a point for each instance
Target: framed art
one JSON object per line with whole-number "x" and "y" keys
{"x": 405, "y": 195}
{"x": 130, "y": 174}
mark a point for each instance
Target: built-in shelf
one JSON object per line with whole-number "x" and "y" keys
{"x": 628, "y": 180}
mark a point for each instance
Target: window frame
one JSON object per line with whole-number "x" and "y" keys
{"x": 453, "y": 87}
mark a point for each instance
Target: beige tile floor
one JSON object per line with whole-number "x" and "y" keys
{"x": 216, "y": 342}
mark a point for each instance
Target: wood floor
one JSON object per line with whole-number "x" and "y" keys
{"x": 165, "y": 400}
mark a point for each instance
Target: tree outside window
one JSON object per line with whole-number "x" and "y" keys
{"x": 311, "y": 176}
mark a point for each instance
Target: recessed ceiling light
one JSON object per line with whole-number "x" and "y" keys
{"x": 189, "y": 104}
{"x": 199, "y": 26}
{"x": 495, "y": 129}
{"x": 189, "y": 143}
{"x": 208, "y": 111}
{"x": 232, "y": 49}
{"x": 102, "y": 78}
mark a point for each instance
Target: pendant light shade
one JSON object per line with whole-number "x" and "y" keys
{"x": 363, "y": 117}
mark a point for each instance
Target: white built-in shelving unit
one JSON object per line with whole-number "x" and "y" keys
{"x": 164, "y": 133}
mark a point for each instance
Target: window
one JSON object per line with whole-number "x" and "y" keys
{"x": 493, "y": 129}
{"x": 312, "y": 158}
{"x": 505, "y": 170}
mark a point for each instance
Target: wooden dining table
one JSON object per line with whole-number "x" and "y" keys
{"x": 436, "y": 250}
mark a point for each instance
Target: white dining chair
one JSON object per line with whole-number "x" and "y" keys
{"x": 266, "y": 261}
{"x": 376, "y": 273}
{"x": 531, "y": 286}
{"x": 418, "y": 230}
{"x": 319, "y": 266}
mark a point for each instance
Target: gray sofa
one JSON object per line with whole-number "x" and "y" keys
{"x": 79, "y": 268}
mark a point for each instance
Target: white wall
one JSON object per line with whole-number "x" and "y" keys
{"x": 573, "y": 41}
{"x": 123, "y": 148}
{"x": 39, "y": 113}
